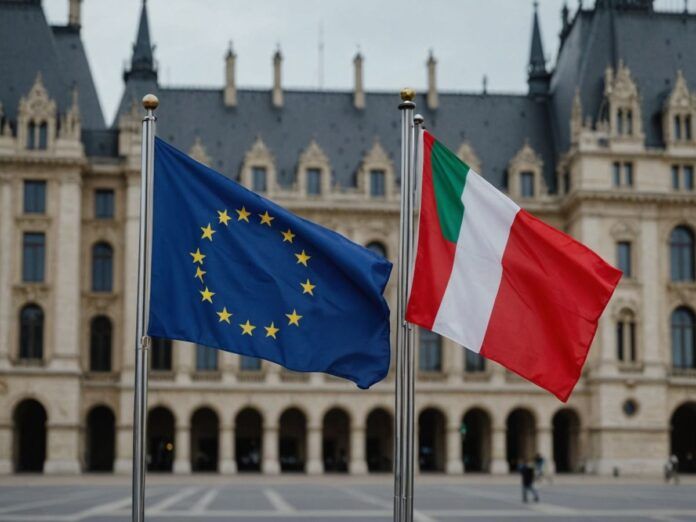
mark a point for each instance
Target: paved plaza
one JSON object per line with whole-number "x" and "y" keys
{"x": 253, "y": 498}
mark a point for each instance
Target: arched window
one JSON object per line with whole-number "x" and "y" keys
{"x": 43, "y": 136}
{"x": 687, "y": 128}
{"x": 31, "y": 136}
{"x": 100, "y": 344}
{"x": 31, "y": 323}
{"x": 430, "y": 351}
{"x": 619, "y": 121}
{"x": 102, "y": 267}
{"x": 677, "y": 127}
{"x": 629, "y": 122}
{"x": 626, "y": 351}
{"x": 378, "y": 248}
{"x": 681, "y": 254}
{"x": 683, "y": 346}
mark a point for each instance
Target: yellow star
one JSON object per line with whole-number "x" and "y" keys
{"x": 247, "y": 328}
{"x": 207, "y": 295}
{"x": 307, "y": 288}
{"x": 266, "y": 218}
{"x": 207, "y": 232}
{"x": 200, "y": 273}
{"x": 243, "y": 214}
{"x": 224, "y": 315}
{"x": 303, "y": 258}
{"x": 223, "y": 217}
{"x": 287, "y": 236}
{"x": 197, "y": 256}
{"x": 271, "y": 331}
{"x": 294, "y": 318}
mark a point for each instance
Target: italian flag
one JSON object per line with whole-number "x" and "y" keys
{"x": 498, "y": 281}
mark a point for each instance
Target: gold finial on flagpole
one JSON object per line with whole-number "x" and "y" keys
{"x": 150, "y": 102}
{"x": 408, "y": 94}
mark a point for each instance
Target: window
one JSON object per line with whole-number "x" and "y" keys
{"x": 206, "y": 358}
{"x": 31, "y": 323}
{"x": 681, "y": 253}
{"x": 34, "y": 197}
{"x": 258, "y": 179}
{"x": 688, "y": 177}
{"x": 377, "y": 187}
{"x": 161, "y": 357}
{"x": 683, "y": 356}
{"x": 100, "y": 345}
{"x": 527, "y": 184}
{"x": 33, "y": 257}
{"x": 104, "y": 204}
{"x": 473, "y": 362}
{"x": 43, "y": 136}
{"x": 628, "y": 174}
{"x": 629, "y": 122}
{"x": 687, "y": 127}
{"x": 675, "y": 177}
{"x": 378, "y": 248}
{"x": 626, "y": 337}
{"x": 31, "y": 136}
{"x": 620, "y": 121}
{"x": 677, "y": 127}
{"x": 622, "y": 174}
{"x": 616, "y": 171}
{"x": 430, "y": 351}
{"x": 102, "y": 267}
{"x": 249, "y": 364}
{"x": 313, "y": 182}
{"x": 623, "y": 257}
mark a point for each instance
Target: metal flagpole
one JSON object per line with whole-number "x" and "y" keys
{"x": 142, "y": 341}
{"x": 403, "y": 429}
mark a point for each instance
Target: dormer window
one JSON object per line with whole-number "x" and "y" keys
{"x": 376, "y": 175}
{"x": 259, "y": 179}
{"x": 527, "y": 184}
{"x": 377, "y": 183}
{"x": 677, "y": 128}
{"x": 678, "y": 114}
{"x": 313, "y": 182}
{"x": 313, "y": 171}
{"x": 525, "y": 174}
{"x": 258, "y": 169}
{"x": 36, "y": 121}
{"x": 622, "y": 104}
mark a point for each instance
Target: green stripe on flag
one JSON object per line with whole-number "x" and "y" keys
{"x": 449, "y": 178}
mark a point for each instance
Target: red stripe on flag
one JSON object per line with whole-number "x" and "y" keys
{"x": 435, "y": 256}
{"x": 552, "y": 292}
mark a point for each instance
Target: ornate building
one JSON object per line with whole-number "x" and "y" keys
{"x": 602, "y": 146}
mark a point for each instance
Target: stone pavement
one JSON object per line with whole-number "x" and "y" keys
{"x": 215, "y": 498}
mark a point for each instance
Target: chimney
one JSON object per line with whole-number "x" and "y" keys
{"x": 277, "y": 97}
{"x": 431, "y": 99}
{"x": 359, "y": 93}
{"x": 74, "y": 13}
{"x": 230, "y": 83}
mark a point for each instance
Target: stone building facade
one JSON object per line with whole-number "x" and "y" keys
{"x": 603, "y": 146}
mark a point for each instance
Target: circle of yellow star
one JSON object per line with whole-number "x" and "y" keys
{"x": 303, "y": 258}
{"x": 200, "y": 273}
{"x": 271, "y": 331}
{"x": 207, "y": 232}
{"x": 223, "y": 217}
{"x": 247, "y": 328}
{"x": 266, "y": 218}
{"x": 287, "y": 236}
{"x": 207, "y": 295}
{"x": 224, "y": 315}
{"x": 293, "y": 318}
{"x": 243, "y": 214}
{"x": 197, "y": 256}
{"x": 308, "y": 287}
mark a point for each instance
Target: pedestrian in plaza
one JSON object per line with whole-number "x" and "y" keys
{"x": 672, "y": 469}
{"x": 540, "y": 469}
{"x": 527, "y": 475}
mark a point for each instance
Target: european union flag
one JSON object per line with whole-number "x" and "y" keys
{"x": 235, "y": 271}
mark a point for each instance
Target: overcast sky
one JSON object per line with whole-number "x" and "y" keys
{"x": 470, "y": 38}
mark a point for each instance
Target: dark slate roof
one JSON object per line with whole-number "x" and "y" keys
{"x": 29, "y": 46}
{"x": 653, "y": 44}
{"x": 344, "y": 133}
{"x": 100, "y": 143}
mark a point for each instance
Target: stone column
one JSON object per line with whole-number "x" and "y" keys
{"x": 65, "y": 257}
{"x": 6, "y": 448}
{"x": 455, "y": 465}
{"x": 358, "y": 464}
{"x": 130, "y": 275}
{"x": 62, "y": 442}
{"x": 228, "y": 464}
{"x": 314, "y": 461}
{"x": 270, "y": 464}
{"x": 6, "y": 228}
{"x": 499, "y": 465}
{"x": 124, "y": 449}
{"x": 182, "y": 448}
{"x": 545, "y": 447}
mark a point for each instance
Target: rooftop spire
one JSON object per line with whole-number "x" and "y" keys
{"x": 537, "y": 76}
{"x": 142, "y": 62}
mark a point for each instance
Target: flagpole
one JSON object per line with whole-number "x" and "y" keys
{"x": 142, "y": 341}
{"x": 403, "y": 419}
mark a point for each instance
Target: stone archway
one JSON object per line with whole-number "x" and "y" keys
{"x": 683, "y": 437}
{"x": 160, "y": 439}
{"x": 292, "y": 444}
{"x": 336, "y": 440}
{"x": 379, "y": 441}
{"x": 100, "y": 447}
{"x": 566, "y": 441}
{"x": 205, "y": 429}
{"x": 29, "y": 420}
{"x": 476, "y": 441}
{"x": 431, "y": 440}
{"x": 248, "y": 440}
{"x": 520, "y": 437}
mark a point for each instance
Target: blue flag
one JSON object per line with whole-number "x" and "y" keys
{"x": 232, "y": 270}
